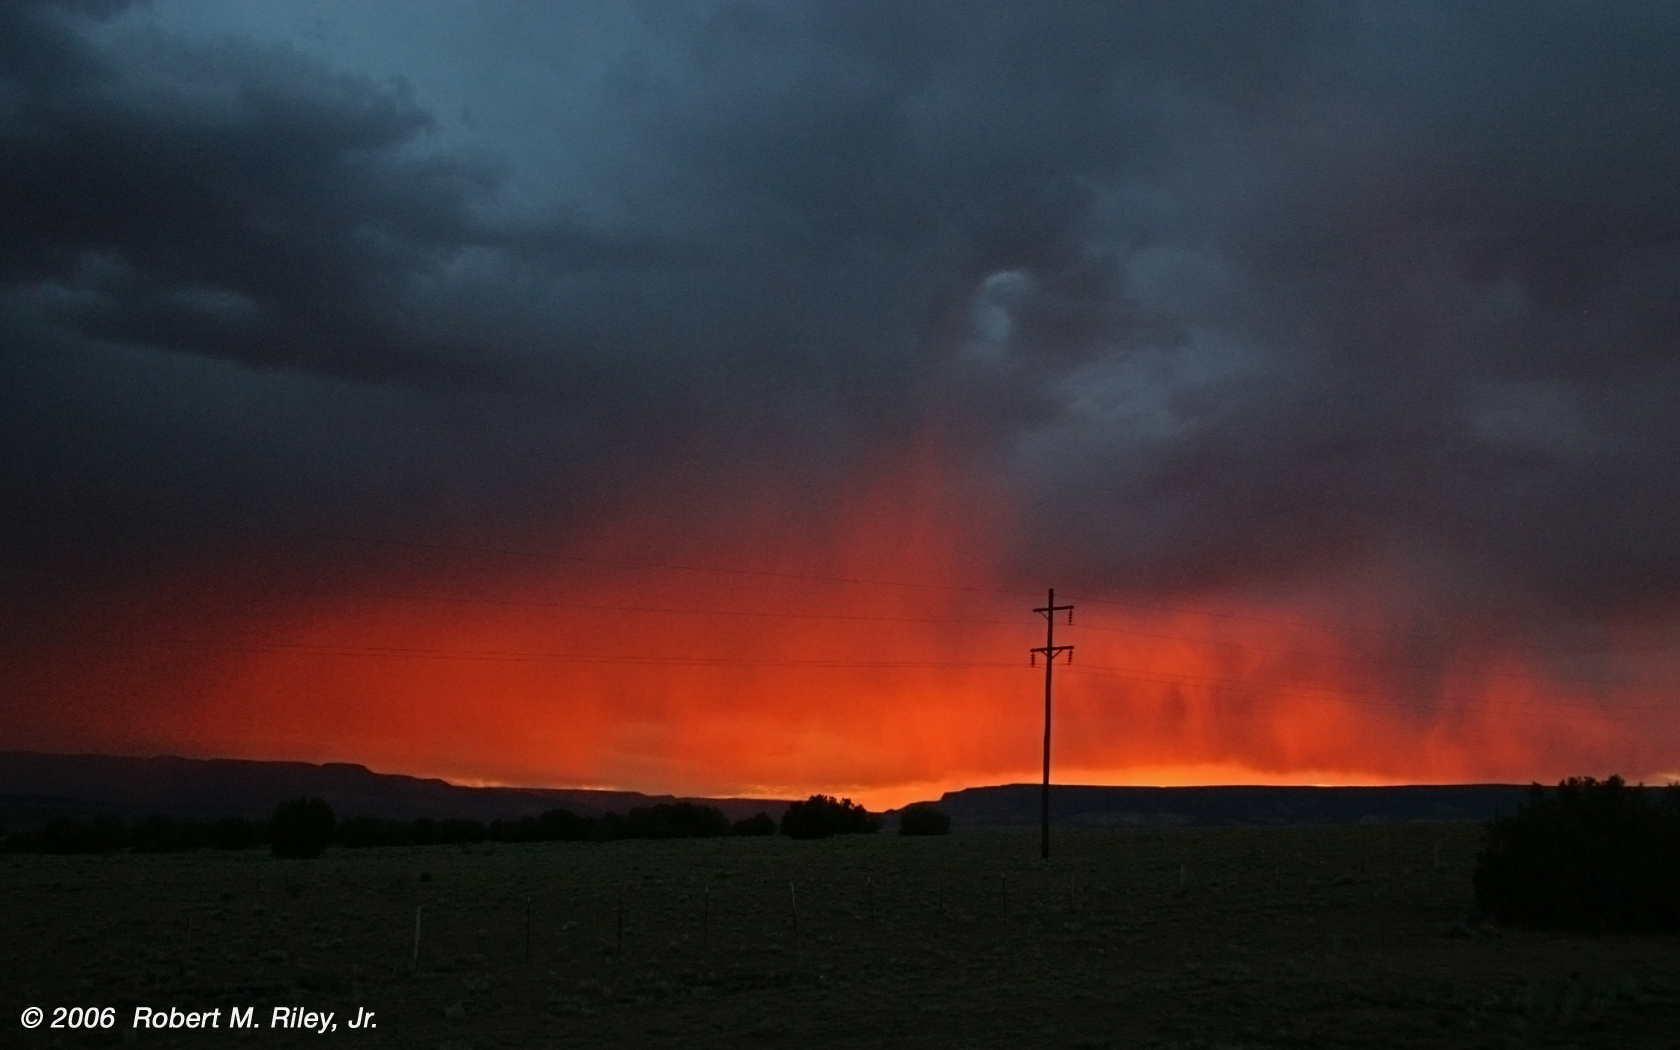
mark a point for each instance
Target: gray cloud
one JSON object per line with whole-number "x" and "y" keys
{"x": 1236, "y": 293}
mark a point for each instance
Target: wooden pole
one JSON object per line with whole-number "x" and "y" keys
{"x": 1051, "y": 650}
{"x": 1044, "y": 798}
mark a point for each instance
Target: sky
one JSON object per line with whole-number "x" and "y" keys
{"x": 699, "y": 398}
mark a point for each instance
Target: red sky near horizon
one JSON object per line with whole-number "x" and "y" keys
{"x": 696, "y": 403}
{"x": 775, "y": 676}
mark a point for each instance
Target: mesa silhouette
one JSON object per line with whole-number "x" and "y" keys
{"x": 36, "y": 786}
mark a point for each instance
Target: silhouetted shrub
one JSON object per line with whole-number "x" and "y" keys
{"x": 359, "y": 832}
{"x": 302, "y": 827}
{"x": 160, "y": 834}
{"x": 1589, "y": 856}
{"x": 820, "y": 816}
{"x": 525, "y": 829}
{"x": 461, "y": 831}
{"x": 757, "y": 824}
{"x": 662, "y": 821}
{"x": 667, "y": 820}
{"x": 671, "y": 820}
{"x": 555, "y": 825}
{"x": 235, "y": 833}
{"x": 429, "y": 832}
{"x": 562, "y": 825}
{"x": 154, "y": 834}
{"x": 69, "y": 835}
{"x": 924, "y": 818}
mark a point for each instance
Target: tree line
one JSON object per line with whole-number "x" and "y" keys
{"x": 1591, "y": 855}
{"x": 306, "y": 827}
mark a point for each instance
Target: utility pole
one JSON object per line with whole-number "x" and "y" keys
{"x": 1051, "y": 650}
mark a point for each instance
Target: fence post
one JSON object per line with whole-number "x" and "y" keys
{"x": 418, "y": 908}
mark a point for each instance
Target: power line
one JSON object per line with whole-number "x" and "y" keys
{"x": 845, "y": 617}
{"x": 513, "y": 656}
{"x": 860, "y": 581}
{"x": 1334, "y": 628}
{"x": 634, "y": 563}
{"x": 502, "y": 655}
{"x": 1379, "y": 698}
{"x": 594, "y": 607}
{"x": 864, "y": 581}
{"x": 1324, "y": 689}
{"x": 1049, "y": 651}
{"x": 1377, "y": 661}
{"x": 1348, "y": 695}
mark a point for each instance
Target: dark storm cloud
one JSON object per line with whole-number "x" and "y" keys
{"x": 229, "y": 202}
{"x": 1234, "y": 291}
{"x": 1419, "y": 298}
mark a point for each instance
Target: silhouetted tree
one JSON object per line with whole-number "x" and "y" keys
{"x": 1590, "y": 855}
{"x": 670, "y": 820}
{"x": 662, "y": 821}
{"x": 562, "y": 825}
{"x": 429, "y": 832}
{"x": 757, "y": 824}
{"x": 69, "y": 835}
{"x": 159, "y": 834}
{"x": 302, "y": 827}
{"x": 924, "y": 818}
{"x": 235, "y": 833}
{"x": 358, "y": 832}
{"x": 525, "y": 829}
{"x": 820, "y": 816}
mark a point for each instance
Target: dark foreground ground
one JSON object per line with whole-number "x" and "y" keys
{"x": 1231, "y": 937}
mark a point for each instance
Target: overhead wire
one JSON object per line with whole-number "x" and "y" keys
{"x": 1346, "y": 658}
{"x": 860, "y": 581}
{"x": 854, "y": 580}
{"x": 870, "y": 582}
{"x": 1381, "y": 699}
{"x": 498, "y": 655}
{"x": 755, "y": 613}
{"x": 845, "y": 617}
{"x": 1333, "y": 628}
{"x": 1348, "y": 695}
{"x": 637, "y": 563}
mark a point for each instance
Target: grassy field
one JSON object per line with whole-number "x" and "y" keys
{"x": 1235, "y": 937}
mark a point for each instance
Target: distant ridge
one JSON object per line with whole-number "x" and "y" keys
{"x": 1016, "y": 805}
{"x": 36, "y": 786}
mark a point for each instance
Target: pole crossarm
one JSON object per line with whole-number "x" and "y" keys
{"x": 1050, "y": 650}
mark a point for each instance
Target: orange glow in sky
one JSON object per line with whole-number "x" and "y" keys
{"x": 780, "y": 678}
